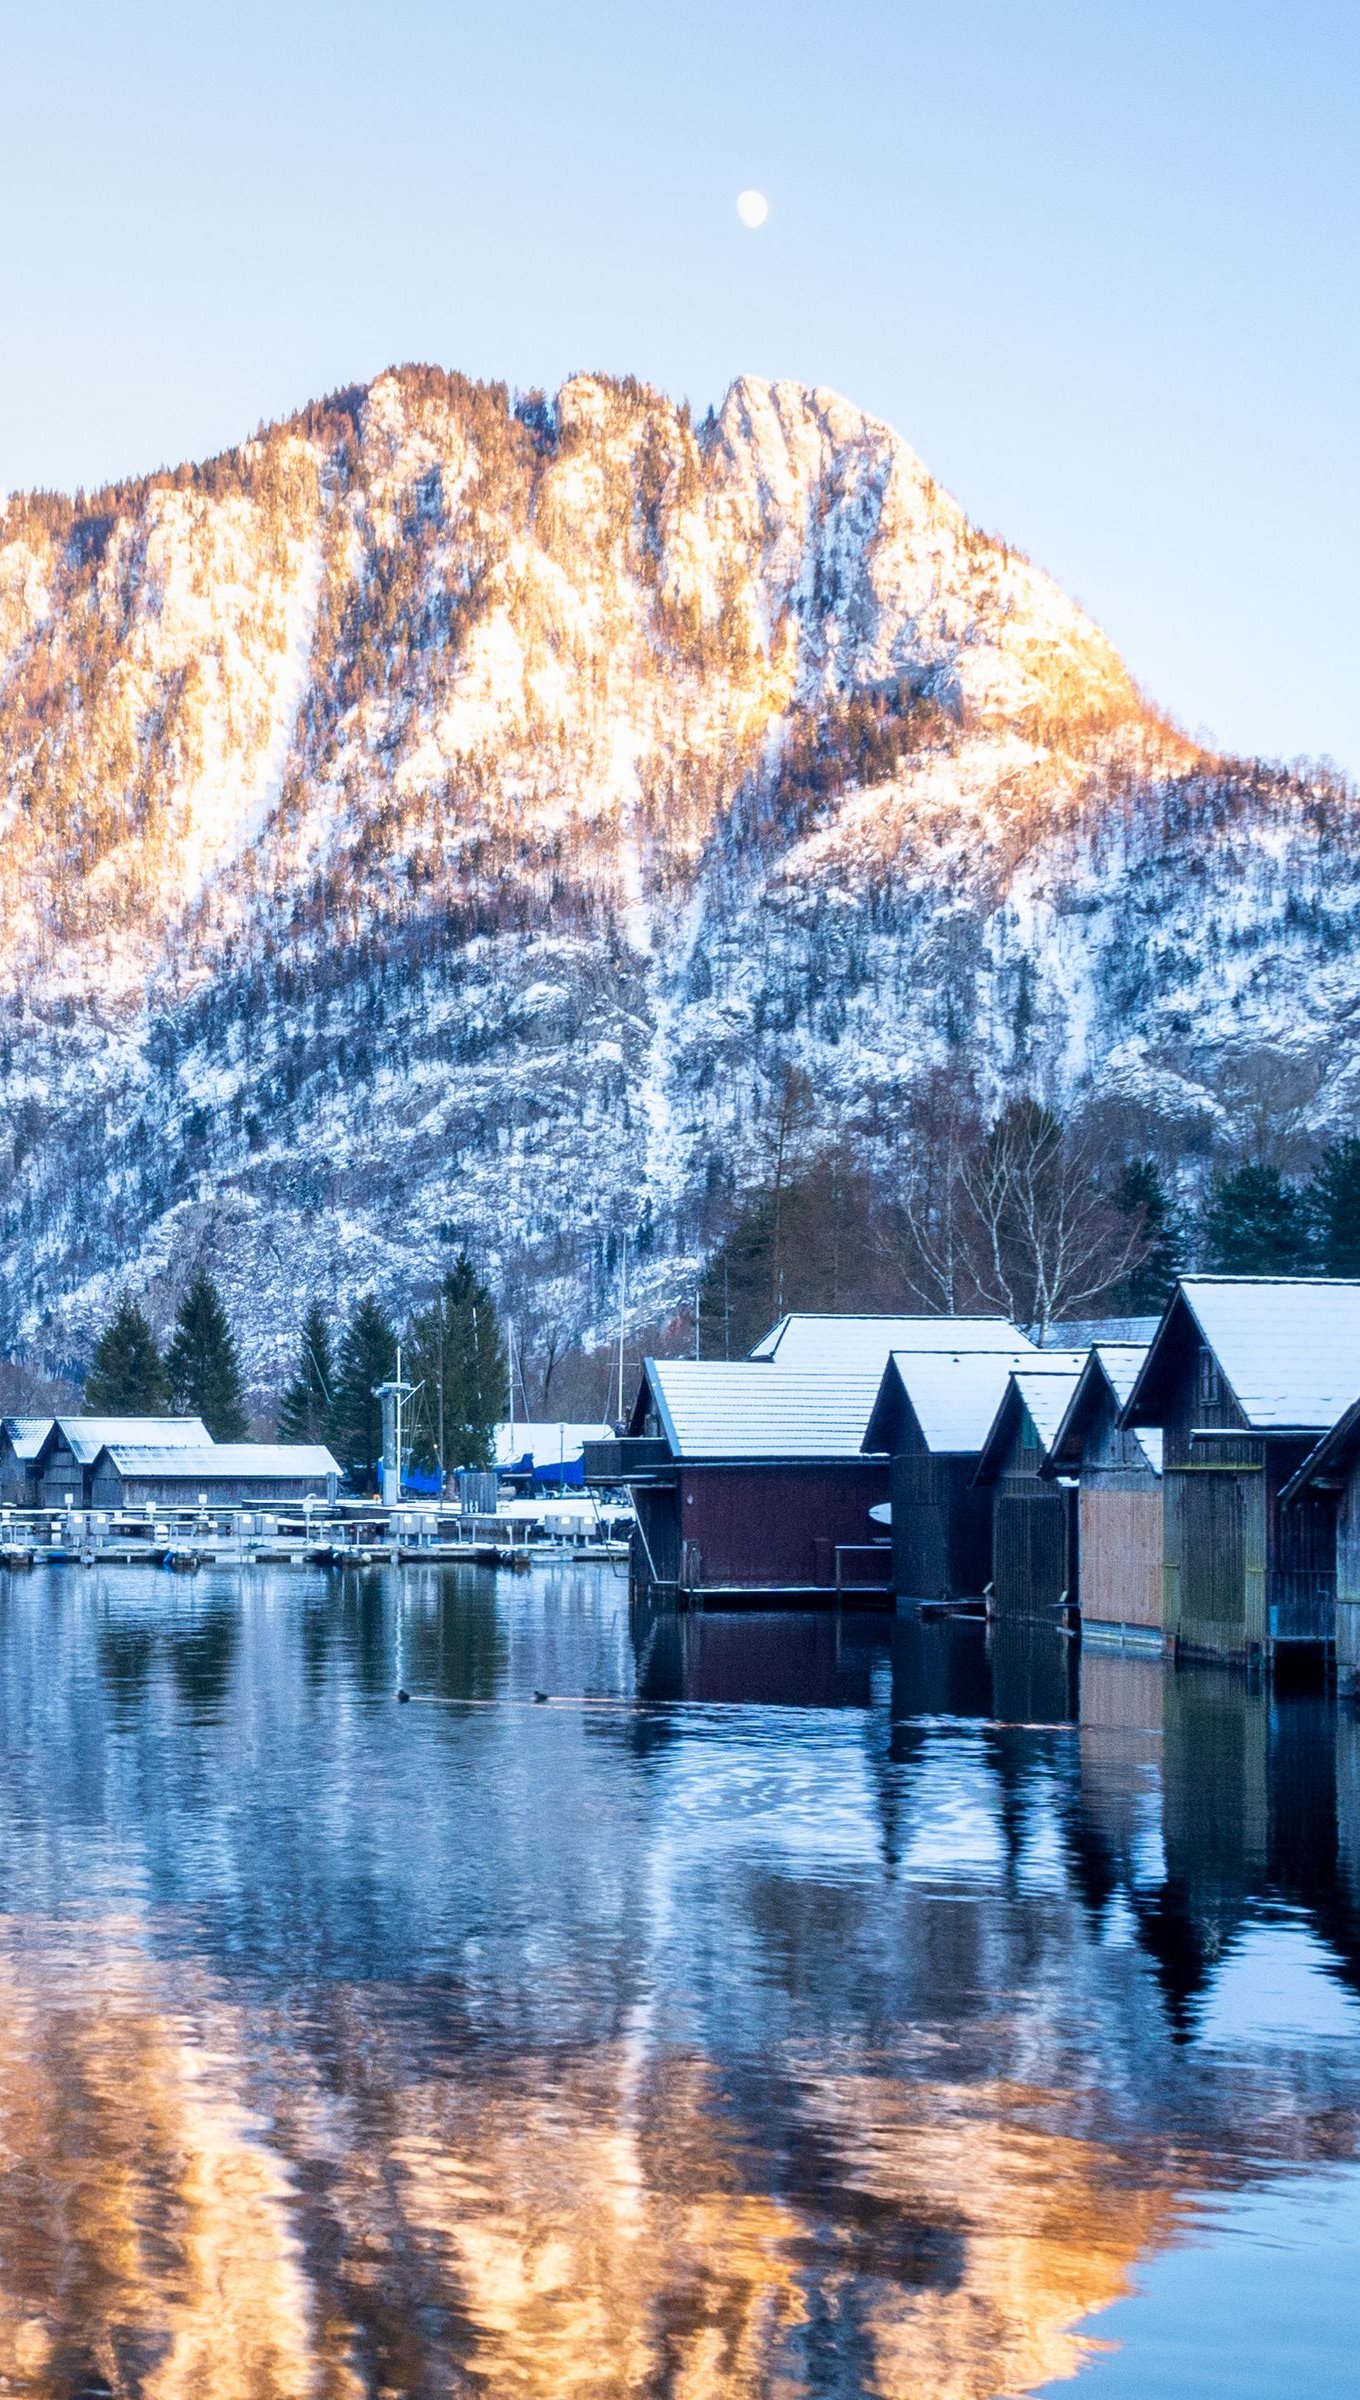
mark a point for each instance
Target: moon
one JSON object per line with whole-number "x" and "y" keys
{"x": 752, "y": 208}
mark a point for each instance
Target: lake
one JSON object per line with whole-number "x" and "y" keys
{"x": 782, "y": 2005}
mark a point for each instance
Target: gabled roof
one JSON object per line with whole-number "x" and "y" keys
{"x": 743, "y": 1409}
{"x": 220, "y": 1462}
{"x": 1111, "y": 1370}
{"x": 953, "y": 1395}
{"x": 545, "y": 1442}
{"x": 834, "y": 1345}
{"x": 1288, "y": 1348}
{"x": 26, "y": 1435}
{"x": 87, "y": 1436}
{"x": 1044, "y": 1387}
{"x": 1332, "y": 1460}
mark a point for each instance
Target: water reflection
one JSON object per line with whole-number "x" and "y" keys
{"x": 786, "y": 2006}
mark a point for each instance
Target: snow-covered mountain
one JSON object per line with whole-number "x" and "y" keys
{"x": 446, "y": 818}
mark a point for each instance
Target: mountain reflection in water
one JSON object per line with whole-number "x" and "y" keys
{"x": 791, "y": 2006}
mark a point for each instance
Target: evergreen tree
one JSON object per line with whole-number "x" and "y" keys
{"x": 1141, "y": 1193}
{"x": 457, "y": 1355}
{"x": 127, "y": 1372}
{"x": 367, "y": 1358}
{"x": 1256, "y": 1224}
{"x": 308, "y": 1404}
{"x": 202, "y": 1365}
{"x": 1334, "y": 1206}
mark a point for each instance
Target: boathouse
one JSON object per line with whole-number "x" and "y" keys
{"x": 933, "y": 1412}
{"x": 21, "y": 1438}
{"x": 1244, "y": 1375}
{"x": 129, "y": 1475}
{"x": 1034, "y": 1517}
{"x": 750, "y": 1482}
{"x": 1119, "y": 1498}
{"x": 64, "y": 1464}
{"x": 1331, "y": 1473}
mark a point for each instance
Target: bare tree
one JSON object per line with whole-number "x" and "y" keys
{"x": 929, "y": 1230}
{"x": 1051, "y": 1238}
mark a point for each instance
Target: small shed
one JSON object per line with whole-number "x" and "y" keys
{"x": 1034, "y": 1517}
{"x": 849, "y": 1345}
{"x": 1244, "y": 1376}
{"x": 214, "y": 1475}
{"x": 21, "y": 1438}
{"x": 1119, "y": 1497}
{"x": 750, "y": 1483}
{"x": 64, "y": 1465}
{"x": 932, "y": 1415}
{"x": 1331, "y": 1473}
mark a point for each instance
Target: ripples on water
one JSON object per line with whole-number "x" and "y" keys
{"x": 788, "y": 2006}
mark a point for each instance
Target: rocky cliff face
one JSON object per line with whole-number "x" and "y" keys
{"x": 446, "y": 820}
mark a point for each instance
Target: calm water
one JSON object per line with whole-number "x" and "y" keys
{"x": 782, "y": 2007}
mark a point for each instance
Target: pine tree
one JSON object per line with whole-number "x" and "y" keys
{"x": 127, "y": 1372}
{"x": 456, "y": 1354}
{"x": 1148, "y": 1286}
{"x": 368, "y": 1357}
{"x": 308, "y": 1404}
{"x": 202, "y": 1363}
{"x": 1334, "y": 1206}
{"x": 1256, "y": 1224}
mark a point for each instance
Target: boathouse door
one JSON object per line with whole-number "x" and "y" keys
{"x": 1211, "y": 1551}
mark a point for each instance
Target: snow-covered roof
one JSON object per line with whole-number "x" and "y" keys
{"x": 26, "y": 1435}
{"x": 1331, "y": 1460}
{"x": 741, "y": 1408}
{"x": 954, "y": 1394}
{"x": 1289, "y": 1348}
{"x": 1044, "y": 1384}
{"x": 85, "y": 1437}
{"x": 837, "y": 1345}
{"x": 218, "y": 1462}
{"x": 1046, "y": 1388}
{"x": 1117, "y": 1365}
{"x": 545, "y": 1443}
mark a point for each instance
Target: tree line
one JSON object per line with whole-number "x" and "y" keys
{"x": 453, "y": 1354}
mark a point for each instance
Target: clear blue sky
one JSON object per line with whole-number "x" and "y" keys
{"x": 1097, "y": 259}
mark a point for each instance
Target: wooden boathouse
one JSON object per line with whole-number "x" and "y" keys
{"x": 1118, "y": 1475}
{"x": 215, "y": 1475}
{"x": 932, "y": 1415}
{"x": 63, "y": 1468}
{"x": 1034, "y": 1516}
{"x": 1331, "y": 1473}
{"x": 21, "y": 1438}
{"x": 750, "y": 1484}
{"x": 1244, "y": 1376}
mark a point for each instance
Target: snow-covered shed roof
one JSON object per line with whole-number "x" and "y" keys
{"x": 954, "y": 1396}
{"x": 835, "y": 1345}
{"x": 1288, "y": 1348}
{"x": 222, "y": 1462}
{"x": 85, "y": 1437}
{"x": 1113, "y": 1366}
{"x": 743, "y": 1409}
{"x": 546, "y": 1443}
{"x": 26, "y": 1435}
{"x": 1044, "y": 1385}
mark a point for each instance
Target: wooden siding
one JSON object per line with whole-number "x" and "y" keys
{"x": 757, "y": 1528}
{"x": 941, "y": 1528}
{"x": 1120, "y": 1554}
{"x": 1348, "y": 1585}
{"x": 111, "y": 1489}
{"x": 1034, "y": 1564}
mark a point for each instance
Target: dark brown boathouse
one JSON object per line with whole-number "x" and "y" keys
{"x": 1244, "y": 1375}
{"x": 750, "y": 1483}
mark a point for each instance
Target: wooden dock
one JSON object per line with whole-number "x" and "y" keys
{"x": 337, "y": 1537}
